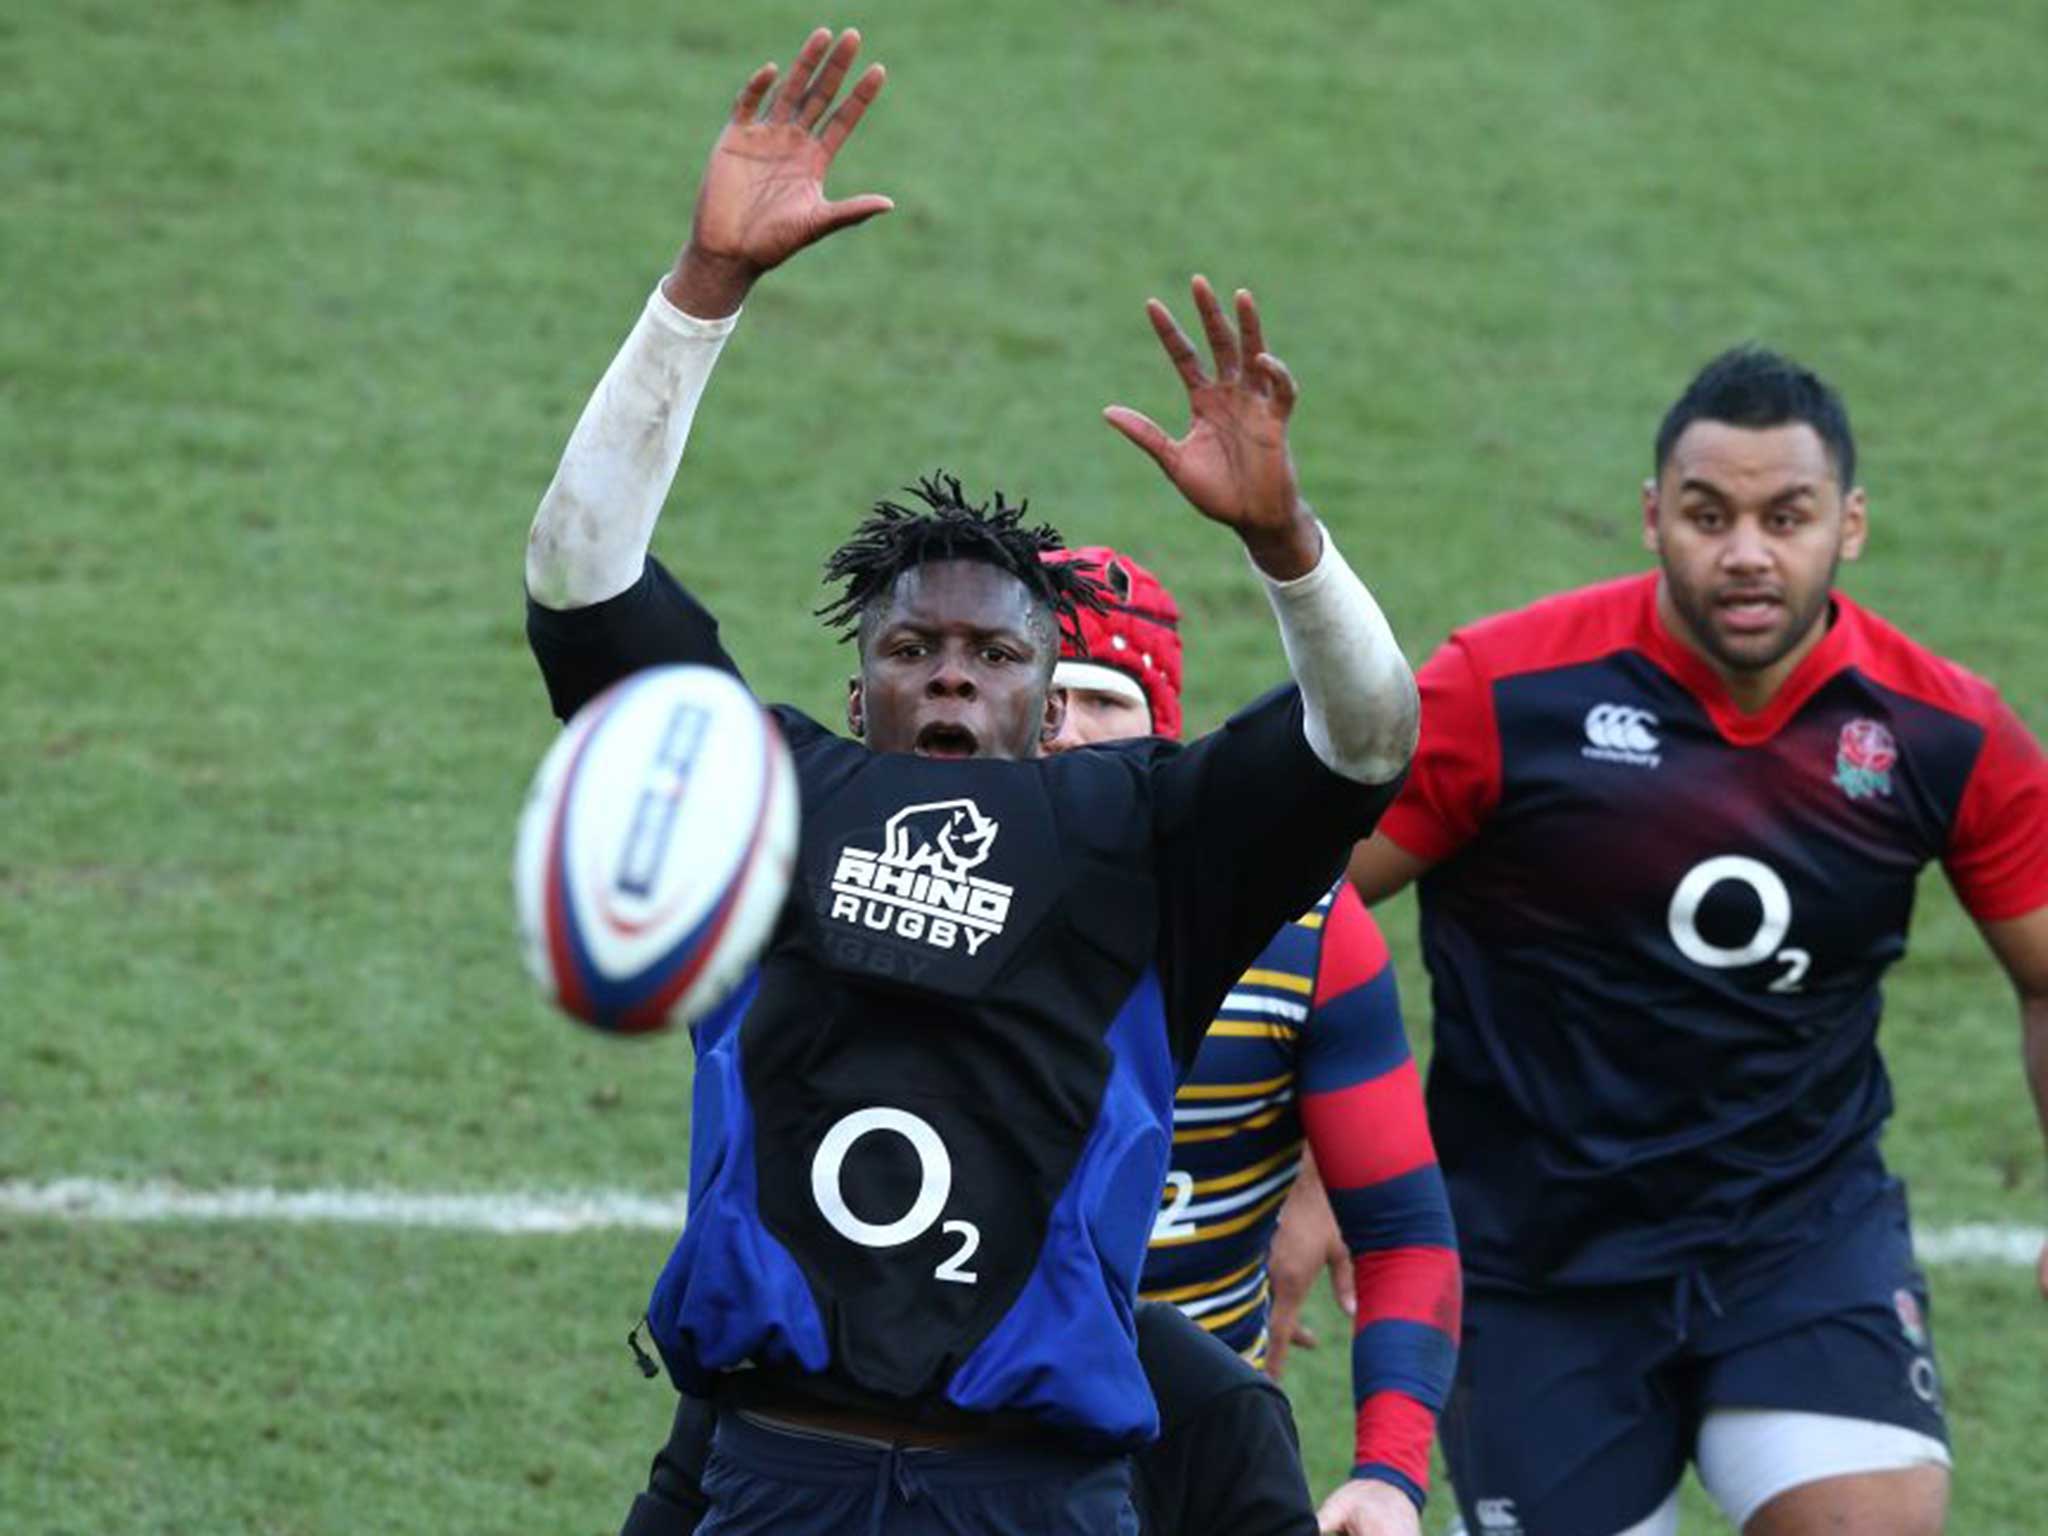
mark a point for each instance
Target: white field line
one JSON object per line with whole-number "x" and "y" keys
{"x": 521, "y": 1213}
{"x": 511, "y": 1213}
{"x": 1979, "y": 1242}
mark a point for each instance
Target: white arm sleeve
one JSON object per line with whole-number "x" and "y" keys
{"x": 589, "y": 539}
{"x": 1361, "y": 711}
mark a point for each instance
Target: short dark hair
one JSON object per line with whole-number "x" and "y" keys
{"x": 893, "y": 538}
{"x": 1752, "y": 386}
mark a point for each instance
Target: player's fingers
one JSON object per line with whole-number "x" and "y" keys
{"x": 1303, "y": 1335}
{"x": 1142, "y": 430}
{"x": 747, "y": 105}
{"x": 1279, "y": 380}
{"x": 849, "y": 112}
{"x": 1178, "y": 347}
{"x": 798, "y": 80}
{"x": 1251, "y": 332}
{"x": 821, "y": 90}
{"x": 1342, "y": 1283}
{"x": 1276, "y": 1354}
{"x": 1222, "y": 339}
{"x": 849, "y": 211}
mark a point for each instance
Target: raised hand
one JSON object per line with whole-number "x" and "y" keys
{"x": 1232, "y": 463}
{"x": 762, "y": 198}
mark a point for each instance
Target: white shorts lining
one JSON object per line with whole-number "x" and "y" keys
{"x": 1748, "y": 1456}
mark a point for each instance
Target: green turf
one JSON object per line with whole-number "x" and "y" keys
{"x": 302, "y": 299}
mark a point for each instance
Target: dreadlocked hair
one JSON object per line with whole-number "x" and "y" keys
{"x": 893, "y": 538}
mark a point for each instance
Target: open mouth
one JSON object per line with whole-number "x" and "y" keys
{"x": 1746, "y": 612}
{"x": 944, "y": 739}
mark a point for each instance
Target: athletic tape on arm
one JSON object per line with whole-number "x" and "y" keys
{"x": 1359, "y": 702}
{"x": 590, "y": 536}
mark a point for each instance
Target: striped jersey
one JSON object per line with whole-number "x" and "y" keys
{"x": 1307, "y": 1050}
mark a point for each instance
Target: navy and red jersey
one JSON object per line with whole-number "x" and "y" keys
{"x": 1308, "y": 1049}
{"x": 1657, "y": 926}
{"x": 927, "y": 1137}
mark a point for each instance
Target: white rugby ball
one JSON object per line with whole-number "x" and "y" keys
{"x": 655, "y": 849}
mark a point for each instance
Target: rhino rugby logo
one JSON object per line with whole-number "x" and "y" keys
{"x": 920, "y": 885}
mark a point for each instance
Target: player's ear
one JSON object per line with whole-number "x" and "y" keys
{"x": 856, "y": 708}
{"x": 1055, "y": 716}
{"x": 1855, "y": 523}
{"x": 1650, "y": 515}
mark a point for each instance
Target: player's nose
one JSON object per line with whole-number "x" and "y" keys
{"x": 950, "y": 678}
{"x": 1746, "y": 548}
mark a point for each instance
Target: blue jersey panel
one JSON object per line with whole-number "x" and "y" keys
{"x": 707, "y": 1119}
{"x": 1077, "y": 1305}
{"x": 729, "y": 1292}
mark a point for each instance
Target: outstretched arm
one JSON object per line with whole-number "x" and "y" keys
{"x": 1234, "y": 466}
{"x": 762, "y": 199}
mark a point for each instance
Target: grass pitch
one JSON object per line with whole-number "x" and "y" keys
{"x": 303, "y": 298}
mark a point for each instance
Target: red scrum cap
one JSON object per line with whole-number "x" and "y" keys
{"x": 1133, "y": 643}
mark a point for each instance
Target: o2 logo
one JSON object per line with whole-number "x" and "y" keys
{"x": 934, "y": 1188}
{"x": 1772, "y": 926}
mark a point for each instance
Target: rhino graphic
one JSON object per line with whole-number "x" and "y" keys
{"x": 948, "y": 837}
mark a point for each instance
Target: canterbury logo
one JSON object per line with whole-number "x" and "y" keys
{"x": 1622, "y": 733}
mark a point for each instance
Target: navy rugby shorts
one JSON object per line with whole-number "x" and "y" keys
{"x": 762, "y": 1479}
{"x": 1576, "y": 1411}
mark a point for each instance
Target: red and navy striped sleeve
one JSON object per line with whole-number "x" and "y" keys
{"x": 1361, "y": 1105}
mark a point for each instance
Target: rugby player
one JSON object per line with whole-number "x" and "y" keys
{"x": 928, "y": 1136}
{"x": 1307, "y": 1057}
{"x": 1667, "y": 831}
{"x": 1307, "y": 1053}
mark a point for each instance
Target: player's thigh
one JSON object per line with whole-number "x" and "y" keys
{"x": 1562, "y": 1421}
{"x": 1844, "y": 1331}
{"x": 1822, "y": 1377}
{"x": 1776, "y": 1473}
{"x": 1911, "y": 1503}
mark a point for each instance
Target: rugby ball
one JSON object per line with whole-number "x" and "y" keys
{"x": 655, "y": 850}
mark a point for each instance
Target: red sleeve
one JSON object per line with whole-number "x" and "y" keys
{"x": 1361, "y": 1106}
{"x": 1455, "y": 778}
{"x": 1997, "y": 854}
